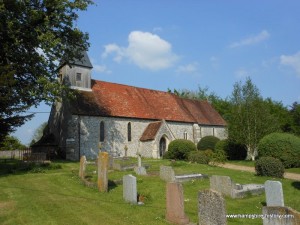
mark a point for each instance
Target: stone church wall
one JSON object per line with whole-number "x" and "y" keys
{"x": 115, "y": 136}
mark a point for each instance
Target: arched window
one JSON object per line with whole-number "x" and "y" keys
{"x": 101, "y": 131}
{"x": 129, "y": 131}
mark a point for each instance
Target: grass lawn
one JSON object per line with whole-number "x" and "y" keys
{"x": 55, "y": 195}
{"x": 252, "y": 164}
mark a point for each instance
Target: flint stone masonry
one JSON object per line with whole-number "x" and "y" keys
{"x": 130, "y": 189}
{"x": 167, "y": 173}
{"x": 212, "y": 208}
{"x": 102, "y": 164}
{"x": 175, "y": 204}
{"x": 226, "y": 186}
{"x": 274, "y": 193}
{"x": 288, "y": 216}
{"x": 82, "y": 167}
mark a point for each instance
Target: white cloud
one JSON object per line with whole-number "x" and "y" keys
{"x": 113, "y": 48}
{"x": 292, "y": 61}
{"x": 146, "y": 50}
{"x": 102, "y": 69}
{"x": 262, "y": 36}
{"x": 189, "y": 68}
{"x": 242, "y": 73}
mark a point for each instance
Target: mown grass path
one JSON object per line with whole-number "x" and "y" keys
{"x": 287, "y": 175}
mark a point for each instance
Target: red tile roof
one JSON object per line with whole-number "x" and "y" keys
{"x": 151, "y": 131}
{"x": 118, "y": 100}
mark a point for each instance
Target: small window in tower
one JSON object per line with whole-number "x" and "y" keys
{"x": 78, "y": 76}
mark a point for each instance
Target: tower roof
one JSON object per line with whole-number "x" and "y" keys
{"x": 84, "y": 61}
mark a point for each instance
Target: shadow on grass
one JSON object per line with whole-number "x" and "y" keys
{"x": 18, "y": 167}
{"x": 296, "y": 184}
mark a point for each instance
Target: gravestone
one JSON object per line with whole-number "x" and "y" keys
{"x": 175, "y": 204}
{"x": 82, "y": 167}
{"x": 222, "y": 184}
{"x": 278, "y": 215}
{"x": 274, "y": 193}
{"x": 228, "y": 187}
{"x": 211, "y": 208}
{"x": 140, "y": 170}
{"x": 102, "y": 164}
{"x": 167, "y": 173}
{"x": 129, "y": 189}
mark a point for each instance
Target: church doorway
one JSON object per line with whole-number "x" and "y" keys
{"x": 162, "y": 146}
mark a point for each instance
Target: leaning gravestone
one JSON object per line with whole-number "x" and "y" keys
{"x": 82, "y": 167}
{"x": 175, "y": 204}
{"x": 212, "y": 209}
{"x": 167, "y": 173}
{"x": 129, "y": 189}
{"x": 222, "y": 184}
{"x": 102, "y": 164}
{"x": 274, "y": 193}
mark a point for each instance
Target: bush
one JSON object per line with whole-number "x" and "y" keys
{"x": 201, "y": 157}
{"x": 180, "y": 149}
{"x": 207, "y": 142}
{"x": 231, "y": 150}
{"x": 283, "y": 146}
{"x": 269, "y": 166}
{"x": 219, "y": 155}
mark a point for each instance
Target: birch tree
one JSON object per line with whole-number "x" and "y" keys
{"x": 249, "y": 120}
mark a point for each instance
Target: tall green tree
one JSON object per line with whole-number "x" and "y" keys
{"x": 249, "y": 120}
{"x": 38, "y": 133}
{"x": 295, "y": 114}
{"x": 34, "y": 36}
{"x": 221, "y": 105}
{"x": 11, "y": 143}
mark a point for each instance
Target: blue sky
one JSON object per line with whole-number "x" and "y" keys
{"x": 161, "y": 44}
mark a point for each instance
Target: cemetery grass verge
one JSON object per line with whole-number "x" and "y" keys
{"x": 250, "y": 163}
{"x": 58, "y": 196}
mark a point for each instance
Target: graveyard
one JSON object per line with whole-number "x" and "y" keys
{"x": 57, "y": 195}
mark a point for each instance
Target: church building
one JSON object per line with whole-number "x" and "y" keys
{"x": 124, "y": 120}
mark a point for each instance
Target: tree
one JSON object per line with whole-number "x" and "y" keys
{"x": 38, "y": 133}
{"x": 295, "y": 114}
{"x": 221, "y": 105}
{"x": 249, "y": 120}
{"x": 34, "y": 37}
{"x": 11, "y": 143}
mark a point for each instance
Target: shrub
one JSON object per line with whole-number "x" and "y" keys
{"x": 219, "y": 156}
{"x": 231, "y": 150}
{"x": 180, "y": 149}
{"x": 269, "y": 166}
{"x": 283, "y": 146}
{"x": 201, "y": 157}
{"x": 207, "y": 142}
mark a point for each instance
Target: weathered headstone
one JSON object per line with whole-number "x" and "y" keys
{"x": 175, "y": 204}
{"x": 274, "y": 193}
{"x": 228, "y": 187}
{"x": 82, "y": 167}
{"x": 129, "y": 189}
{"x": 211, "y": 208}
{"x": 278, "y": 215}
{"x": 140, "y": 170}
{"x": 167, "y": 173}
{"x": 102, "y": 164}
{"x": 222, "y": 184}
